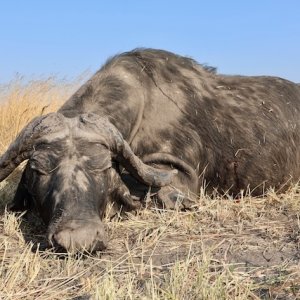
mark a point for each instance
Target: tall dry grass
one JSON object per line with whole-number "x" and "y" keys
{"x": 20, "y": 101}
{"x": 220, "y": 250}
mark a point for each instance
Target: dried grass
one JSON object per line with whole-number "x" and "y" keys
{"x": 223, "y": 249}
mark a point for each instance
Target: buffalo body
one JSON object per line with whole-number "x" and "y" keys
{"x": 151, "y": 120}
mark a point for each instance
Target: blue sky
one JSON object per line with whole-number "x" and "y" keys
{"x": 65, "y": 38}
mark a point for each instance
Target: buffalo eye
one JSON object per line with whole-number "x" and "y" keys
{"x": 43, "y": 163}
{"x": 42, "y": 146}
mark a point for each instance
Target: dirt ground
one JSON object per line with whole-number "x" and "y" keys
{"x": 221, "y": 249}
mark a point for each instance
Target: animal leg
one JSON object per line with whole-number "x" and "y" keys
{"x": 21, "y": 201}
{"x": 176, "y": 195}
{"x": 172, "y": 198}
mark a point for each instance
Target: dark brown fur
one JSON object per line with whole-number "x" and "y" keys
{"x": 239, "y": 132}
{"x": 152, "y": 111}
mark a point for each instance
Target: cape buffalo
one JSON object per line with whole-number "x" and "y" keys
{"x": 153, "y": 119}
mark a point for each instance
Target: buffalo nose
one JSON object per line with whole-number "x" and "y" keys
{"x": 80, "y": 235}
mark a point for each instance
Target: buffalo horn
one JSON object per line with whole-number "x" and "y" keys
{"x": 123, "y": 153}
{"x": 23, "y": 146}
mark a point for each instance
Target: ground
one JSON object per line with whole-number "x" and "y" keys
{"x": 221, "y": 249}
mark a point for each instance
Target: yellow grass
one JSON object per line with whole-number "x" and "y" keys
{"x": 20, "y": 102}
{"x": 220, "y": 250}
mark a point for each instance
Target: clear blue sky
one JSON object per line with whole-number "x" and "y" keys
{"x": 65, "y": 37}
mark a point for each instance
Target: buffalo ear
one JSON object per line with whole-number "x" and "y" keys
{"x": 21, "y": 201}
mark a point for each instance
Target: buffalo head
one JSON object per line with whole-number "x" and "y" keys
{"x": 69, "y": 176}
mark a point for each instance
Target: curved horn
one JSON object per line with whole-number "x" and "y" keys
{"x": 142, "y": 172}
{"x": 23, "y": 146}
{"x": 123, "y": 153}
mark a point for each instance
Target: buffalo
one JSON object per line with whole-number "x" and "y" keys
{"x": 156, "y": 123}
